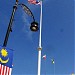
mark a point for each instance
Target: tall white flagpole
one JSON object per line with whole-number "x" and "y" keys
{"x": 40, "y": 47}
{"x": 54, "y": 67}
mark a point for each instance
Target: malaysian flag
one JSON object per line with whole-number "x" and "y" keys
{"x": 34, "y": 2}
{"x": 6, "y": 57}
{"x": 44, "y": 57}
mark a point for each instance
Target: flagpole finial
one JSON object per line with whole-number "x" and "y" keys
{"x": 39, "y": 48}
{"x": 17, "y": 0}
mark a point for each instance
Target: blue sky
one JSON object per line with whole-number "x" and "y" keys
{"x": 57, "y": 37}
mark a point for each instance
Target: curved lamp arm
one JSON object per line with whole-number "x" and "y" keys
{"x": 26, "y": 9}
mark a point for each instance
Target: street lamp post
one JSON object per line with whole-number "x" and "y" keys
{"x": 33, "y": 27}
{"x": 10, "y": 24}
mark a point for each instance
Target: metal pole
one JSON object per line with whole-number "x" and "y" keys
{"x": 10, "y": 24}
{"x": 54, "y": 67}
{"x": 40, "y": 47}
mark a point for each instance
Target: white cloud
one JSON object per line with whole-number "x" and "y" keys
{"x": 26, "y": 27}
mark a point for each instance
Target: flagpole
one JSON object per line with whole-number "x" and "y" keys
{"x": 40, "y": 47}
{"x": 54, "y": 67}
{"x": 45, "y": 67}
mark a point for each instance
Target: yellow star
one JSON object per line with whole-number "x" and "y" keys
{"x": 4, "y": 52}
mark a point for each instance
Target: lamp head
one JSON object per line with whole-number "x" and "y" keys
{"x": 34, "y": 26}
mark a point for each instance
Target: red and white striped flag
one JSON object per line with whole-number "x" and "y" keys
{"x": 34, "y": 2}
{"x": 4, "y": 70}
{"x": 44, "y": 57}
{"x": 6, "y": 57}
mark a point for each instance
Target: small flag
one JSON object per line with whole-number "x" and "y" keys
{"x": 34, "y": 2}
{"x": 44, "y": 57}
{"x": 6, "y": 57}
{"x": 52, "y": 61}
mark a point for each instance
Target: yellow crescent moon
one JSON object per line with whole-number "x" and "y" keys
{"x": 4, "y": 61}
